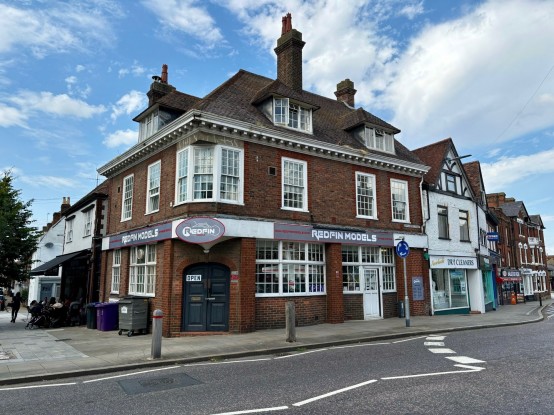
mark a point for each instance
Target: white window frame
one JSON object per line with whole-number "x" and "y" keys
{"x": 465, "y": 226}
{"x": 87, "y": 231}
{"x": 281, "y": 260}
{"x": 142, "y": 270}
{"x": 366, "y": 199}
{"x": 379, "y": 140}
{"x": 294, "y": 183}
{"x": 149, "y": 125}
{"x": 153, "y": 183}
{"x": 69, "y": 230}
{"x": 226, "y": 180}
{"x": 116, "y": 271}
{"x": 404, "y": 183}
{"x": 355, "y": 258}
{"x": 292, "y": 115}
{"x": 127, "y": 198}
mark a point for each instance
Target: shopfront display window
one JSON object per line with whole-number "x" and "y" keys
{"x": 449, "y": 289}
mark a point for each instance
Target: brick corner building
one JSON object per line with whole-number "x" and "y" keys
{"x": 258, "y": 194}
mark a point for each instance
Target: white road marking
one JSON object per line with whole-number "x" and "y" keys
{"x": 464, "y": 359}
{"x": 37, "y": 386}
{"x": 469, "y": 369}
{"x": 409, "y": 340}
{"x": 131, "y": 374}
{"x": 436, "y": 338}
{"x": 227, "y": 362}
{"x": 300, "y": 354}
{"x": 358, "y": 345}
{"x": 326, "y": 395}
{"x": 433, "y": 344}
{"x": 443, "y": 351}
{"x": 254, "y": 411}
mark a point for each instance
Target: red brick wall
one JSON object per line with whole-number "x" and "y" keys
{"x": 270, "y": 311}
{"x": 416, "y": 265}
{"x": 330, "y": 201}
{"x": 353, "y": 307}
{"x": 335, "y": 306}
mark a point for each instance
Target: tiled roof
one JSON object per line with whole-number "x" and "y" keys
{"x": 512, "y": 209}
{"x": 234, "y": 99}
{"x": 473, "y": 172}
{"x": 433, "y": 155}
{"x": 178, "y": 100}
{"x": 537, "y": 220}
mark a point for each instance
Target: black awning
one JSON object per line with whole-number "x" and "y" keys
{"x": 41, "y": 269}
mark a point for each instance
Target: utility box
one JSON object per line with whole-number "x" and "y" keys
{"x": 133, "y": 315}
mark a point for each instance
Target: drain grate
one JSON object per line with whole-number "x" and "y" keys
{"x": 157, "y": 384}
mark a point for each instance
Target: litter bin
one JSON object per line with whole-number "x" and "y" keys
{"x": 401, "y": 313}
{"x": 91, "y": 315}
{"x": 133, "y": 315}
{"x": 106, "y": 316}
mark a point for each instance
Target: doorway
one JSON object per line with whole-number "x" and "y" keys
{"x": 372, "y": 294}
{"x": 206, "y": 298}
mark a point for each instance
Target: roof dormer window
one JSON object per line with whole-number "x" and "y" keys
{"x": 380, "y": 140}
{"x": 292, "y": 115}
{"x": 148, "y": 125}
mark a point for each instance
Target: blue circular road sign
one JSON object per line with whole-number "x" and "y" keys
{"x": 402, "y": 249}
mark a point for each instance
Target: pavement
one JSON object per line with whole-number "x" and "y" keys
{"x": 45, "y": 354}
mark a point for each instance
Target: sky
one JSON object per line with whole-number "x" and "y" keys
{"x": 73, "y": 75}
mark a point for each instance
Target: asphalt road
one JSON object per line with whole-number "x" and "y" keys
{"x": 491, "y": 371}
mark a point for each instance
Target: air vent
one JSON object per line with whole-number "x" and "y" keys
{"x": 272, "y": 171}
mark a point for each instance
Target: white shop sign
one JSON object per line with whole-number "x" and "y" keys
{"x": 453, "y": 262}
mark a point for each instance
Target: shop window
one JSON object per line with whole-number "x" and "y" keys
{"x": 354, "y": 258}
{"x": 116, "y": 271}
{"x": 142, "y": 270}
{"x": 449, "y": 289}
{"x": 289, "y": 268}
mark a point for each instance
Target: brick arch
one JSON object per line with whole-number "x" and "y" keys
{"x": 220, "y": 259}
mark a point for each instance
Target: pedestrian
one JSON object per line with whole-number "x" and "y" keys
{"x": 16, "y": 303}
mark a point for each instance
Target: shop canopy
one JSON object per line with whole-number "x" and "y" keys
{"x": 47, "y": 266}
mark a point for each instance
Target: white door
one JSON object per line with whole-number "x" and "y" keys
{"x": 371, "y": 293}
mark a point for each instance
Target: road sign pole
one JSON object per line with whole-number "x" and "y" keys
{"x": 406, "y": 297}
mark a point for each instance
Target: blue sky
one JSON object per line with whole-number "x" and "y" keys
{"x": 74, "y": 73}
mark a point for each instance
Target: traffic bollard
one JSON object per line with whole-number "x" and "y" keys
{"x": 157, "y": 321}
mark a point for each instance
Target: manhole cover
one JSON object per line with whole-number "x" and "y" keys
{"x": 156, "y": 384}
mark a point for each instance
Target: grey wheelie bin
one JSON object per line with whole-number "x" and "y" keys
{"x": 133, "y": 315}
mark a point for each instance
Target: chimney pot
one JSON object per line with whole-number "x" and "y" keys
{"x": 164, "y": 73}
{"x": 289, "y": 55}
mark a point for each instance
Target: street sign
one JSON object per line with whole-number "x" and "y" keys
{"x": 402, "y": 249}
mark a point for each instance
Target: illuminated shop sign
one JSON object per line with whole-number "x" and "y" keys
{"x": 141, "y": 236}
{"x": 307, "y": 233}
{"x": 200, "y": 230}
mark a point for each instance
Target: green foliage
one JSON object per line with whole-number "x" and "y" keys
{"x": 18, "y": 239}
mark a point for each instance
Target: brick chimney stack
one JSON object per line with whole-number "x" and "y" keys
{"x": 496, "y": 199}
{"x": 159, "y": 87}
{"x": 289, "y": 55}
{"x": 66, "y": 204}
{"x": 345, "y": 92}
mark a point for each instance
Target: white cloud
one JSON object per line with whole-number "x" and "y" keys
{"x": 55, "y": 27}
{"x": 135, "y": 69}
{"x": 60, "y": 105}
{"x": 128, "y": 103}
{"x": 10, "y": 117}
{"x": 121, "y": 138}
{"x": 79, "y": 68}
{"x": 454, "y": 77}
{"x": 411, "y": 11}
{"x": 188, "y": 16}
{"x": 48, "y": 181}
{"x": 509, "y": 170}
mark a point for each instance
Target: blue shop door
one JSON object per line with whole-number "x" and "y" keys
{"x": 206, "y": 298}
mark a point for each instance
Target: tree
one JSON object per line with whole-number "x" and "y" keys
{"x": 18, "y": 239}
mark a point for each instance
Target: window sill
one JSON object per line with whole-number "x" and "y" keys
{"x": 444, "y": 238}
{"x": 465, "y": 240}
{"x": 294, "y": 209}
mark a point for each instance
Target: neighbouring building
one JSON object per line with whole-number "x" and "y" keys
{"x": 525, "y": 253}
{"x": 456, "y": 227}
{"x": 45, "y": 278}
{"x": 259, "y": 194}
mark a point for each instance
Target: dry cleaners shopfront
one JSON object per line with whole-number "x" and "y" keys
{"x": 455, "y": 285}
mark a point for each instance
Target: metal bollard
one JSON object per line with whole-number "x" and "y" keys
{"x": 157, "y": 322}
